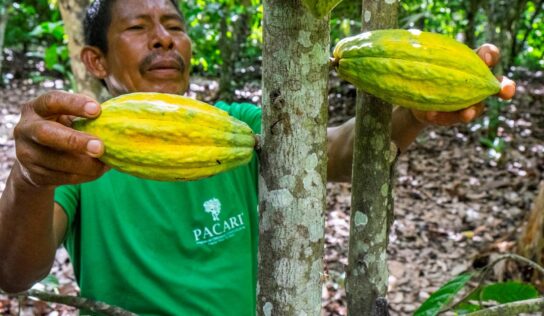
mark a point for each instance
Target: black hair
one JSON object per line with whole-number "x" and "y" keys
{"x": 98, "y": 20}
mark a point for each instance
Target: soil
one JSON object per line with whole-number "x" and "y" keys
{"x": 457, "y": 203}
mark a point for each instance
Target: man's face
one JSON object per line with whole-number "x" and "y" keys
{"x": 148, "y": 49}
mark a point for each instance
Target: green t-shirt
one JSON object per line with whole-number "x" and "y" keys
{"x": 168, "y": 248}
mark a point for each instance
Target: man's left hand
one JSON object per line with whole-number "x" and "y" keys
{"x": 490, "y": 54}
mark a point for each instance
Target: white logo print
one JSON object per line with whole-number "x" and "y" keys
{"x": 218, "y": 230}
{"x": 213, "y": 206}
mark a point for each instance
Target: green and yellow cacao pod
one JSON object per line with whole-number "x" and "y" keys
{"x": 414, "y": 69}
{"x": 320, "y": 8}
{"x": 169, "y": 137}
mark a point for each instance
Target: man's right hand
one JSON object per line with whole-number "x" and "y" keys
{"x": 49, "y": 151}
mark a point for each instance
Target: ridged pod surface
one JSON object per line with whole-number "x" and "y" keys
{"x": 320, "y": 8}
{"x": 169, "y": 137}
{"x": 414, "y": 69}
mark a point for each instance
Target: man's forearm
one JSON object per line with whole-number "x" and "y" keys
{"x": 27, "y": 238}
{"x": 405, "y": 129}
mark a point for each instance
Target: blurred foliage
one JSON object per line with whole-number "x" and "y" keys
{"x": 35, "y": 28}
{"x": 203, "y": 19}
{"x": 532, "y": 56}
{"x": 35, "y": 31}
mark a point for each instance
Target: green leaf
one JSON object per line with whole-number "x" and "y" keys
{"x": 55, "y": 29}
{"x": 509, "y": 292}
{"x": 50, "y": 281}
{"x": 51, "y": 56}
{"x": 443, "y": 296}
{"x": 502, "y": 293}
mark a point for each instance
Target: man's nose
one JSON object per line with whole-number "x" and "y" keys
{"x": 162, "y": 38}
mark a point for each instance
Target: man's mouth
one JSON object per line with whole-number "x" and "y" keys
{"x": 165, "y": 65}
{"x": 169, "y": 66}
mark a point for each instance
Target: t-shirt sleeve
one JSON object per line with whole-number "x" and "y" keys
{"x": 245, "y": 112}
{"x": 67, "y": 196}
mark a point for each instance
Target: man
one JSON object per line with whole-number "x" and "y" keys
{"x": 151, "y": 247}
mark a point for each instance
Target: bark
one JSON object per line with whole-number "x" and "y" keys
{"x": 372, "y": 203}
{"x": 231, "y": 48}
{"x": 503, "y": 20}
{"x": 293, "y": 159}
{"x": 471, "y": 7}
{"x": 76, "y": 301}
{"x": 73, "y": 13}
{"x": 518, "y": 46}
{"x": 227, "y": 68}
{"x": 531, "y": 241}
{"x": 3, "y": 23}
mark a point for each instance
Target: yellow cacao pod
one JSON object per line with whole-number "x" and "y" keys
{"x": 414, "y": 69}
{"x": 320, "y": 8}
{"x": 169, "y": 137}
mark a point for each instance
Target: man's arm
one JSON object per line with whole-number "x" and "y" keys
{"x": 49, "y": 154}
{"x": 406, "y": 124}
{"x": 340, "y": 142}
{"x": 31, "y": 228}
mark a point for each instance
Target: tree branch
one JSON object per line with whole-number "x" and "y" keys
{"x": 76, "y": 301}
{"x": 518, "y": 46}
{"x": 515, "y": 308}
{"x": 488, "y": 269}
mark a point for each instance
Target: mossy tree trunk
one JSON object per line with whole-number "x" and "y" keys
{"x": 471, "y": 7}
{"x": 4, "y": 5}
{"x": 73, "y": 13}
{"x": 233, "y": 36}
{"x": 530, "y": 243}
{"x": 503, "y": 19}
{"x": 372, "y": 203}
{"x": 293, "y": 159}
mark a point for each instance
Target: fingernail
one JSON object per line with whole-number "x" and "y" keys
{"x": 94, "y": 147}
{"x": 488, "y": 59}
{"x": 91, "y": 108}
{"x": 469, "y": 115}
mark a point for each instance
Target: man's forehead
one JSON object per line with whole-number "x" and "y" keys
{"x": 128, "y": 9}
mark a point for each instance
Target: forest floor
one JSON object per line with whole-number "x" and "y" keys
{"x": 457, "y": 203}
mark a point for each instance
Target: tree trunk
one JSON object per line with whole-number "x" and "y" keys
{"x": 3, "y": 23}
{"x": 231, "y": 48}
{"x": 531, "y": 241}
{"x": 503, "y": 23}
{"x": 372, "y": 203}
{"x": 471, "y": 8}
{"x": 292, "y": 187}
{"x": 518, "y": 46}
{"x": 73, "y": 13}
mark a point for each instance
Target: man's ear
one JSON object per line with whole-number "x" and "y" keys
{"x": 94, "y": 61}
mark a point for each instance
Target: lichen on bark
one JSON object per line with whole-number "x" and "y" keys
{"x": 293, "y": 159}
{"x": 367, "y": 274}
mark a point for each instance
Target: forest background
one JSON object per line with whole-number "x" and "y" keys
{"x": 463, "y": 194}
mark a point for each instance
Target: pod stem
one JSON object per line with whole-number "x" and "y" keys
{"x": 333, "y": 63}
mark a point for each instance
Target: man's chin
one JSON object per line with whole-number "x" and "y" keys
{"x": 165, "y": 88}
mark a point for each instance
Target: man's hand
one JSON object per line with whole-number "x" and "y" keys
{"x": 49, "y": 152}
{"x": 490, "y": 55}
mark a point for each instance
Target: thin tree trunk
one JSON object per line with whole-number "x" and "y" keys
{"x": 231, "y": 49}
{"x": 292, "y": 187}
{"x": 503, "y": 23}
{"x": 531, "y": 241}
{"x": 3, "y": 23}
{"x": 471, "y": 7}
{"x": 518, "y": 46}
{"x": 227, "y": 68}
{"x": 73, "y": 13}
{"x": 372, "y": 202}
